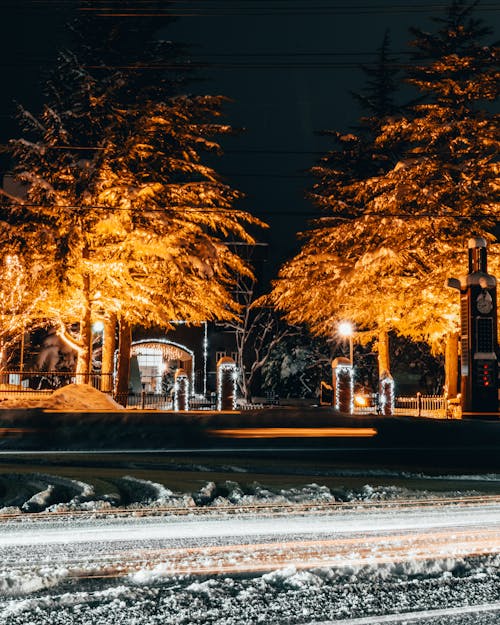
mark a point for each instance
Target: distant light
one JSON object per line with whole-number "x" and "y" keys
{"x": 345, "y": 328}
{"x": 98, "y": 326}
{"x": 360, "y": 400}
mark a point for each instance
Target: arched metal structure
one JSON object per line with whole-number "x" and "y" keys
{"x": 155, "y": 356}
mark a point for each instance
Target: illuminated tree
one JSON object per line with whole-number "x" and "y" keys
{"x": 398, "y": 226}
{"x": 23, "y": 289}
{"x": 114, "y": 170}
{"x": 328, "y": 280}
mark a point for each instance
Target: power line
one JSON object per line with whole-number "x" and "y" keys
{"x": 215, "y": 12}
{"x": 204, "y": 65}
{"x": 218, "y": 8}
{"x": 313, "y": 214}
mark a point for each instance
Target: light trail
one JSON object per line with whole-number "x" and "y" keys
{"x": 288, "y": 432}
{"x": 260, "y": 557}
{"x": 8, "y": 431}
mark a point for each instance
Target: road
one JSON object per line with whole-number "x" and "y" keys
{"x": 250, "y": 543}
{"x": 421, "y": 559}
{"x": 349, "y": 559}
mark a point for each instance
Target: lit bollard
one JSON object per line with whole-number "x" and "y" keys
{"x": 343, "y": 385}
{"x": 386, "y": 394}
{"x": 227, "y": 377}
{"x": 181, "y": 390}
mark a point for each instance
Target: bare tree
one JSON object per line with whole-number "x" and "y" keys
{"x": 258, "y": 329}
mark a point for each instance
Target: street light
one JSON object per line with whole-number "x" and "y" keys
{"x": 346, "y": 330}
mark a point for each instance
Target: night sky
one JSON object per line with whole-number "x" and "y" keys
{"x": 287, "y": 65}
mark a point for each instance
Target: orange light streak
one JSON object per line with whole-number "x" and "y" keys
{"x": 309, "y": 554}
{"x": 15, "y": 431}
{"x": 294, "y": 433}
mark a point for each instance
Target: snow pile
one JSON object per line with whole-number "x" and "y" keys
{"x": 35, "y": 492}
{"x": 233, "y": 493}
{"x": 70, "y": 397}
{"x": 39, "y": 501}
{"x": 14, "y": 582}
{"x": 40, "y": 492}
{"x": 319, "y": 595}
{"x": 154, "y": 494}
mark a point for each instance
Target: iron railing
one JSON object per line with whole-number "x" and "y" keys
{"x": 422, "y": 406}
{"x": 33, "y": 384}
{"x": 159, "y": 401}
{"x": 38, "y": 384}
{"x": 15, "y": 383}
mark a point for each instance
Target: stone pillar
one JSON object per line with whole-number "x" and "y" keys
{"x": 181, "y": 390}
{"x": 227, "y": 374}
{"x": 386, "y": 394}
{"x": 343, "y": 385}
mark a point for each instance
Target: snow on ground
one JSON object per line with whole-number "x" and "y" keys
{"x": 35, "y": 492}
{"x": 70, "y": 397}
{"x": 36, "y": 587}
{"x": 282, "y": 597}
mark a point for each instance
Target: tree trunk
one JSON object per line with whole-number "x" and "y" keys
{"x": 123, "y": 372}
{"x": 84, "y": 355}
{"x": 108, "y": 353}
{"x": 386, "y": 383}
{"x": 451, "y": 365}
{"x": 384, "y": 361}
{"x": 4, "y": 379}
{"x": 83, "y": 363}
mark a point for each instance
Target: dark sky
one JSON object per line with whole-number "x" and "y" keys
{"x": 287, "y": 65}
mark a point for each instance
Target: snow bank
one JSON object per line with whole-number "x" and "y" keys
{"x": 57, "y": 494}
{"x": 34, "y": 492}
{"x": 39, "y": 501}
{"x": 70, "y": 397}
{"x": 16, "y": 582}
{"x": 154, "y": 494}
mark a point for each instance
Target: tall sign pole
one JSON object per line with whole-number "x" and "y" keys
{"x": 478, "y": 332}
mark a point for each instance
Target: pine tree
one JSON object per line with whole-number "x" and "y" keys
{"x": 332, "y": 258}
{"x": 23, "y": 289}
{"x": 381, "y": 260}
{"x": 446, "y": 188}
{"x": 114, "y": 171}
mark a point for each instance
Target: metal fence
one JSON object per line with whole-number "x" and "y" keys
{"x": 422, "y": 406}
{"x": 37, "y": 384}
{"x": 157, "y": 401}
{"x": 434, "y": 406}
{"x": 40, "y": 383}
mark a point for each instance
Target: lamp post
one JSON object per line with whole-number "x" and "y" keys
{"x": 346, "y": 330}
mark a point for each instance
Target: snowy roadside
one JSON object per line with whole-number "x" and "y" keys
{"x": 281, "y": 597}
{"x": 39, "y": 560}
{"x": 39, "y": 492}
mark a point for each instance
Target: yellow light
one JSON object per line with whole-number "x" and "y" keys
{"x": 294, "y": 433}
{"x": 345, "y": 328}
{"x": 360, "y": 400}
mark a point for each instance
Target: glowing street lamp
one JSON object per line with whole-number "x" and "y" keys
{"x": 346, "y": 330}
